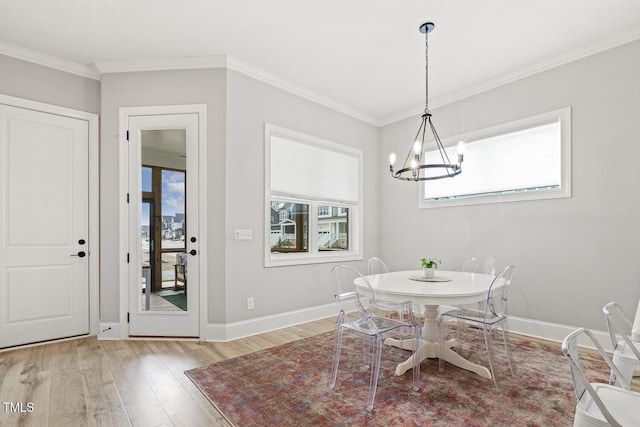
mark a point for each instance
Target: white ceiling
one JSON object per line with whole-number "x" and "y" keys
{"x": 362, "y": 57}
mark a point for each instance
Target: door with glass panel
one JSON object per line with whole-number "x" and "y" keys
{"x": 163, "y": 223}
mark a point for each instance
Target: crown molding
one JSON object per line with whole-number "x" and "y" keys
{"x": 185, "y": 63}
{"x": 286, "y": 85}
{"x": 48, "y": 61}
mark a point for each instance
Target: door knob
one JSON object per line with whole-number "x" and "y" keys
{"x": 193, "y": 239}
{"x": 81, "y": 254}
{"x": 193, "y": 252}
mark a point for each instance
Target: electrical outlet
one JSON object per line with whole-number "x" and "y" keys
{"x": 250, "y": 303}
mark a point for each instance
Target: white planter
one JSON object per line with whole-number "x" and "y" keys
{"x": 429, "y": 273}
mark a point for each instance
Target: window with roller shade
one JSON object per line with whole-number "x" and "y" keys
{"x": 523, "y": 160}
{"x": 313, "y": 193}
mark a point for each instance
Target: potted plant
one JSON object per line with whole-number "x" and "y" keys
{"x": 429, "y": 266}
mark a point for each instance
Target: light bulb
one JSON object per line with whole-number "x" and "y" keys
{"x": 460, "y": 149}
{"x": 417, "y": 146}
{"x": 392, "y": 159}
{"x": 414, "y": 164}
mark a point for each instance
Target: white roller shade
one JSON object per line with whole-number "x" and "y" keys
{"x": 525, "y": 160}
{"x": 313, "y": 171}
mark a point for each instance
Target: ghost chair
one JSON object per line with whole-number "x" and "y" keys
{"x": 357, "y": 307}
{"x": 479, "y": 263}
{"x": 376, "y": 266}
{"x": 492, "y": 313}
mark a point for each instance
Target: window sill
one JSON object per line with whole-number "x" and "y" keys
{"x": 283, "y": 260}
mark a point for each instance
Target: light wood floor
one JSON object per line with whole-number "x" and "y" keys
{"x": 86, "y": 382}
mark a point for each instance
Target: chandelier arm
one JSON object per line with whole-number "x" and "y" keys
{"x": 420, "y": 129}
{"x": 443, "y": 153}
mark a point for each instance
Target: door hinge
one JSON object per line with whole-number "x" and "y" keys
{"x": 127, "y": 317}
{"x": 127, "y": 135}
{"x": 127, "y": 197}
{"x": 127, "y": 257}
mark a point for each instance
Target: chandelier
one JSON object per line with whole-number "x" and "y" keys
{"x": 415, "y": 166}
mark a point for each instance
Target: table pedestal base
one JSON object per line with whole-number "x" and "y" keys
{"x": 429, "y": 350}
{"x": 429, "y": 347}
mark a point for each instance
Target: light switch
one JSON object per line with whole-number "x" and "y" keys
{"x": 243, "y": 235}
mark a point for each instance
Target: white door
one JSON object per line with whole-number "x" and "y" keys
{"x": 163, "y": 202}
{"x": 44, "y": 268}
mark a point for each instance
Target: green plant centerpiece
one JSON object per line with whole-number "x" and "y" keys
{"x": 429, "y": 266}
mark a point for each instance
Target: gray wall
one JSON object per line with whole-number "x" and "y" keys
{"x": 42, "y": 84}
{"x": 161, "y": 88}
{"x": 572, "y": 255}
{"x": 237, "y": 106}
{"x": 280, "y": 289}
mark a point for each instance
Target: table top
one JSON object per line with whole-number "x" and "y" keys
{"x": 463, "y": 288}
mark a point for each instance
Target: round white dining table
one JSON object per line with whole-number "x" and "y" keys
{"x": 449, "y": 288}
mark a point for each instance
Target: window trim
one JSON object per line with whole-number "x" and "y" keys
{"x": 313, "y": 255}
{"x": 563, "y": 115}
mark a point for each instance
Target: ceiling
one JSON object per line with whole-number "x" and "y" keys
{"x": 361, "y": 57}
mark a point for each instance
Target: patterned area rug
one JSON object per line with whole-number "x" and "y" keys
{"x": 288, "y": 386}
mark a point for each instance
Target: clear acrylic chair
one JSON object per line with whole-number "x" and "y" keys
{"x": 626, "y": 353}
{"x": 597, "y": 403}
{"x": 492, "y": 313}
{"x": 376, "y": 266}
{"x": 357, "y": 305}
{"x": 481, "y": 263}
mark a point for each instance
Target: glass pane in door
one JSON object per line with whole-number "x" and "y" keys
{"x": 163, "y": 182}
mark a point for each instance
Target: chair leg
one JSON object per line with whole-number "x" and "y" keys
{"x": 367, "y": 351}
{"x": 336, "y": 356}
{"x": 444, "y": 329}
{"x": 460, "y": 329}
{"x": 375, "y": 369}
{"x": 507, "y": 347}
{"x": 416, "y": 357}
{"x": 488, "y": 339}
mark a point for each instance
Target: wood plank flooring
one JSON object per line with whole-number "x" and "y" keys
{"x": 86, "y": 382}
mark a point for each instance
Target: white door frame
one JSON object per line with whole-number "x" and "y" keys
{"x": 125, "y": 113}
{"x": 94, "y": 192}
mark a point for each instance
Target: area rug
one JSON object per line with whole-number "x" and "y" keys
{"x": 288, "y": 386}
{"x": 179, "y": 300}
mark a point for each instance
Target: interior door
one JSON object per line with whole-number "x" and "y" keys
{"x": 163, "y": 279}
{"x": 44, "y": 268}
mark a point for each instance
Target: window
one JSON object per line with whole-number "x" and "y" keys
{"x": 313, "y": 193}
{"x": 523, "y": 160}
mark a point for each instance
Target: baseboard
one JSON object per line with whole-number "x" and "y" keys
{"x": 259, "y": 325}
{"x": 109, "y": 331}
{"x": 232, "y": 331}
{"x": 554, "y": 331}
{"x": 236, "y": 330}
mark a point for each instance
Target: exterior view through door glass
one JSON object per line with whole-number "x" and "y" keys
{"x": 163, "y": 222}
